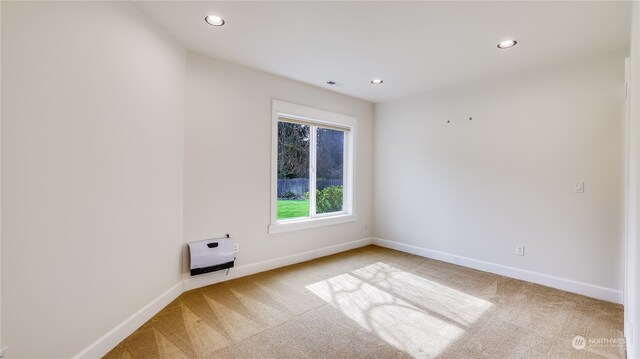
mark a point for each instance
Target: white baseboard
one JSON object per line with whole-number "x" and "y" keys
{"x": 248, "y": 269}
{"x": 108, "y": 341}
{"x": 569, "y": 285}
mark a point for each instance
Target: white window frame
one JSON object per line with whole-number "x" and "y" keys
{"x": 326, "y": 119}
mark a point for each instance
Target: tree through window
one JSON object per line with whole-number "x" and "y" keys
{"x": 310, "y": 170}
{"x": 312, "y": 157}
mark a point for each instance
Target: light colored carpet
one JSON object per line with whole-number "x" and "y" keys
{"x": 374, "y": 302}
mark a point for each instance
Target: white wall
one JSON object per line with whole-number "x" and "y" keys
{"x": 478, "y": 188}
{"x": 92, "y": 156}
{"x": 1, "y": 345}
{"x": 632, "y": 299}
{"x": 228, "y": 153}
{"x": 93, "y": 169}
{"x": 92, "y": 178}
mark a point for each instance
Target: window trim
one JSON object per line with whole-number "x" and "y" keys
{"x": 326, "y": 119}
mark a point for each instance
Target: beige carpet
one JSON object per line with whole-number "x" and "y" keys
{"x": 374, "y": 302}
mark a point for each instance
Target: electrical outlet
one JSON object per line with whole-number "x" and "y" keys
{"x": 520, "y": 250}
{"x": 235, "y": 247}
{"x": 578, "y": 187}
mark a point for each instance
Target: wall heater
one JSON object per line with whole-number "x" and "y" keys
{"x": 211, "y": 255}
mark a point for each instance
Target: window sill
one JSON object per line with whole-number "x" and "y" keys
{"x": 307, "y": 223}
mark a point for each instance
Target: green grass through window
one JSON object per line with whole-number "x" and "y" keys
{"x": 291, "y": 208}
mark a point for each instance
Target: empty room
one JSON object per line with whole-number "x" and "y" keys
{"x": 319, "y": 179}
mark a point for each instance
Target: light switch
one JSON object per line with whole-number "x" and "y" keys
{"x": 578, "y": 187}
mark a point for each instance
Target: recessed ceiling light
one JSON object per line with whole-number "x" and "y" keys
{"x": 507, "y": 44}
{"x": 214, "y": 20}
{"x": 376, "y": 81}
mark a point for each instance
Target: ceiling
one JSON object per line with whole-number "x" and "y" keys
{"x": 413, "y": 46}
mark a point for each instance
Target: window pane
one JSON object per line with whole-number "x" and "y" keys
{"x": 293, "y": 170}
{"x": 330, "y": 170}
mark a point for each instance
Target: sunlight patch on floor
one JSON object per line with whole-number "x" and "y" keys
{"x": 448, "y": 302}
{"x": 411, "y": 313}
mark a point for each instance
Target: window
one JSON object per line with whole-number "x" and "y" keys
{"x": 312, "y": 167}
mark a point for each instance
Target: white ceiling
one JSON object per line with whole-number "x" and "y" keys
{"x": 412, "y": 46}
